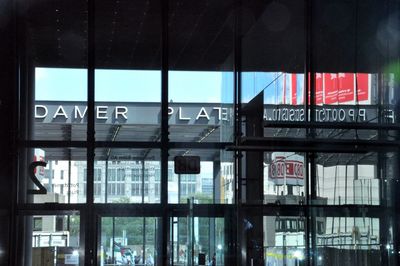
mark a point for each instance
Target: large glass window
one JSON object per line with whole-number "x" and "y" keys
{"x": 200, "y": 71}
{"x": 350, "y": 178}
{"x": 284, "y": 241}
{"x": 214, "y": 184}
{"x": 291, "y": 107}
{"x": 129, "y": 241}
{"x": 283, "y": 178}
{"x": 127, "y": 176}
{"x": 54, "y": 83}
{"x": 353, "y": 240}
{"x": 60, "y": 111}
{"x": 61, "y": 180}
{"x": 198, "y": 240}
{"x": 54, "y": 240}
{"x": 128, "y": 76}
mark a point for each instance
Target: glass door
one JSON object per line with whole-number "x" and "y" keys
{"x": 197, "y": 240}
{"x": 128, "y": 241}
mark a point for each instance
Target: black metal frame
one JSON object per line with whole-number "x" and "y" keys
{"x": 90, "y": 211}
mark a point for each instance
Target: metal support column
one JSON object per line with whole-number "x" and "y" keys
{"x": 164, "y": 243}
{"x": 90, "y": 232}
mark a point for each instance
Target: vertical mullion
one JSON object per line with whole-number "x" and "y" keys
{"x": 106, "y": 182}
{"x": 15, "y": 221}
{"x": 144, "y": 240}
{"x": 69, "y": 175}
{"x": 307, "y": 63}
{"x": 164, "y": 130}
{"x": 142, "y": 180}
{"x": 312, "y": 156}
{"x": 237, "y": 126}
{"x": 237, "y": 94}
{"x": 90, "y": 102}
{"x": 237, "y": 72}
{"x": 89, "y": 233}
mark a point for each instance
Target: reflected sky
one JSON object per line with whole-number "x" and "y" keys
{"x": 54, "y": 84}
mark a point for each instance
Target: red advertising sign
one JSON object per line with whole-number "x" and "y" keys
{"x": 345, "y": 87}
{"x": 319, "y": 90}
{"x": 294, "y": 88}
{"x": 287, "y": 169}
{"x": 331, "y": 88}
{"x": 284, "y": 88}
{"x": 362, "y": 83}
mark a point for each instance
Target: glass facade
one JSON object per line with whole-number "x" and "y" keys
{"x": 219, "y": 132}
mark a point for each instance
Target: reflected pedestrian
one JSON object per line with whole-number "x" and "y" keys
{"x": 214, "y": 260}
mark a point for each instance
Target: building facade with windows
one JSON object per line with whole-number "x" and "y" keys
{"x": 290, "y": 107}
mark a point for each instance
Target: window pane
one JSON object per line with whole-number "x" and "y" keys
{"x": 56, "y": 74}
{"x": 353, "y": 240}
{"x": 284, "y": 244}
{"x": 283, "y": 177}
{"x": 57, "y": 239}
{"x": 206, "y": 235}
{"x": 128, "y": 76}
{"x": 212, "y": 185}
{"x": 128, "y": 176}
{"x": 129, "y": 241}
{"x": 356, "y": 178}
{"x": 63, "y": 182}
{"x": 200, "y": 70}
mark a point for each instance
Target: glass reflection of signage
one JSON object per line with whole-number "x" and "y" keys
{"x": 329, "y": 113}
{"x": 200, "y": 114}
{"x": 42, "y": 111}
{"x": 340, "y": 88}
{"x": 286, "y": 169}
{"x": 51, "y": 111}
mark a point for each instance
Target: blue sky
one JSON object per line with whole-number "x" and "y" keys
{"x": 127, "y": 85}
{"x": 145, "y": 85}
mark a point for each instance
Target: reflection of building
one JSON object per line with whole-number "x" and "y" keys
{"x": 93, "y": 82}
{"x": 123, "y": 181}
{"x": 341, "y": 179}
{"x": 228, "y": 182}
{"x": 51, "y": 239}
{"x": 60, "y": 178}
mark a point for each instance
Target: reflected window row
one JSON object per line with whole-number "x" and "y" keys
{"x": 130, "y": 177}
{"x": 340, "y": 178}
{"x": 136, "y": 240}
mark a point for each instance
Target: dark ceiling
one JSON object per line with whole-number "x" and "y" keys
{"x": 347, "y": 35}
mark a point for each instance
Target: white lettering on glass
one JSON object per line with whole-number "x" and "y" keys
{"x": 37, "y": 115}
{"x": 202, "y": 114}
{"x": 60, "y": 111}
{"x": 362, "y": 114}
{"x": 181, "y": 115}
{"x": 121, "y": 110}
{"x": 77, "y": 112}
{"x": 102, "y": 112}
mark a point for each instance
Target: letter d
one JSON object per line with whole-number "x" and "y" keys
{"x": 37, "y": 115}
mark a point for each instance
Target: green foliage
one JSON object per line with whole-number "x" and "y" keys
{"x": 122, "y": 200}
{"x": 74, "y": 225}
{"x": 133, "y": 227}
{"x": 199, "y": 198}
